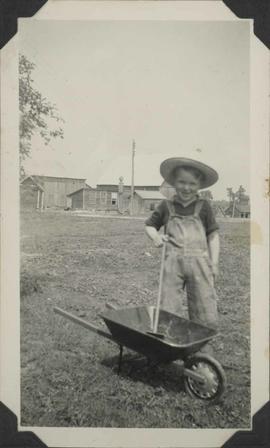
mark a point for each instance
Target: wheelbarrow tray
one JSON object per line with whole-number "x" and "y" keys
{"x": 129, "y": 327}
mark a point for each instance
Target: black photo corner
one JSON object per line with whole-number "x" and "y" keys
{"x": 258, "y": 437}
{"x": 259, "y": 11}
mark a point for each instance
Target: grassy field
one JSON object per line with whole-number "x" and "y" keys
{"x": 69, "y": 375}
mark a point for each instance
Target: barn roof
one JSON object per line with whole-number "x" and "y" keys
{"x": 41, "y": 177}
{"x": 34, "y": 181}
{"x": 149, "y": 194}
{"x": 85, "y": 187}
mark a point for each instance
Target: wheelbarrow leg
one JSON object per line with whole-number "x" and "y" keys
{"x": 120, "y": 358}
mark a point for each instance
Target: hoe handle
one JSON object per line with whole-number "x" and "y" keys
{"x": 160, "y": 287}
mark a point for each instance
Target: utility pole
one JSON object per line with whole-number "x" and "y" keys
{"x": 132, "y": 177}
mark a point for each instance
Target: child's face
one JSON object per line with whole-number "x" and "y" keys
{"x": 186, "y": 185}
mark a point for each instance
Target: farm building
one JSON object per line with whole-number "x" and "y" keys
{"x": 77, "y": 197}
{"x": 239, "y": 208}
{"x": 31, "y": 194}
{"x": 238, "y": 211}
{"x": 146, "y": 200}
{"x": 88, "y": 198}
{"x": 94, "y": 199}
{"x": 113, "y": 197}
{"x": 118, "y": 195}
{"x": 55, "y": 189}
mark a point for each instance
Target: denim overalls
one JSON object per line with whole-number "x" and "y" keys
{"x": 187, "y": 264}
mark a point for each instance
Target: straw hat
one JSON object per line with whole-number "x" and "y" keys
{"x": 209, "y": 175}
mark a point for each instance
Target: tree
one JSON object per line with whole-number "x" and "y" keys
{"x": 232, "y": 199}
{"x": 231, "y": 194}
{"x": 240, "y": 194}
{"x": 37, "y": 114}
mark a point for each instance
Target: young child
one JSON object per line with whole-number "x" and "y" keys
{"x": 191, "y": 233}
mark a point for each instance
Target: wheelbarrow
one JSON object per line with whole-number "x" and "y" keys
{"x": 182, "y": 339}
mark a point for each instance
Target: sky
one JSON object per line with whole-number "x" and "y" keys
{"x": 178, "y": 88}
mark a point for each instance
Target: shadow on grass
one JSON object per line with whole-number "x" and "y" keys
{"x": 168, "y": 376}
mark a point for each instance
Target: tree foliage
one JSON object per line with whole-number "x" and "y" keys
{"x": 231, "y": 194}
{"x": 237, "y": 196}
{"x": 37, "y": 114}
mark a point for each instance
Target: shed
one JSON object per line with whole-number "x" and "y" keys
{"x": 145, "y": 200}
{"x": 238, "y": 210}
{"x": 83, "y": 198}
{"x": 88, "y": 198}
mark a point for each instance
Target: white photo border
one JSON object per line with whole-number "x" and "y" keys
{"x": 10, "y": 267}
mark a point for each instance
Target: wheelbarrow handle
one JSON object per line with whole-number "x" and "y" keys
{"x": 82, "y": 323}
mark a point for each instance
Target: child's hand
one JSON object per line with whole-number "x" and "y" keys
{"x": 160, "y": 239}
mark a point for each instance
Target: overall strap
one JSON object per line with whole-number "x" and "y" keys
{"x": 171, "y": 208}
{"x": 198, "y": 207}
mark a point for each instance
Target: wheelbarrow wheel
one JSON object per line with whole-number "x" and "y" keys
{"x": 212, "y": 386}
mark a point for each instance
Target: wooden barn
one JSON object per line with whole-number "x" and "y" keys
{"x": 88, "y": 198}
{"x": 238, "y": 211}
{"x": 55, "y": 189}
{"x": 146, "y": 201}
{"x": 77, "y": 197}
{"x": 122, "y": 194}
{"x": 31, "y": 195}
